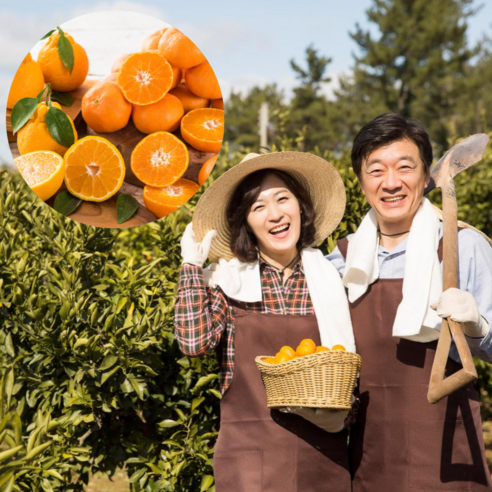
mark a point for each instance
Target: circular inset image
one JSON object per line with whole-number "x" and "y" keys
{"x": 112, "y": 116}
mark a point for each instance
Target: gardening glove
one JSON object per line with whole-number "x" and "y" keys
{"x": 192, "y": 251}
{"x": 461, "y": 307}
{"x": 326, "y": 419}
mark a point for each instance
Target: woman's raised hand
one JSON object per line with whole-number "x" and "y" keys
{"x": 192, "y": 251}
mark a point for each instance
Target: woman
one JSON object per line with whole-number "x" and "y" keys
{"x": 271, "y": 290}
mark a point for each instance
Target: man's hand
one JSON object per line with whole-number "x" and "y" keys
{"x": 192, "y": 251}
{"x": 461, "y": 307}
{"x": 326, "y": 419}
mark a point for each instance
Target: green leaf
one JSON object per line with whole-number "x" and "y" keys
{"x": 207, "y": 482}
{"x": 9, "y": 386}
{"x": 80, "y": 342}
{"x": 63, "y": 98}
{"x": 137, "y": 386}
{"x": 37, "y": 450}
{"x": 196, "y": 403}
{"x": 48, "y": 34}
{"x": 23, "y": 109}
{"x": 9, "y": 346}
{"x": 107, "y": 375}
{"x": 66, "y": 203}
{"x": 5, "y": 455}
{"x": 65, "y": 51}
{"x": 126, "y": 206}
{"x": 60, "y": 127}
{"x": 108, "y": 362}
{"x": 168, "y": 423}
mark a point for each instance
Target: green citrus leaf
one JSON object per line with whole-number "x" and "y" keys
{"x": 126, "y": 206}
{"x": 60, "y": 127}
{"x": 23, "y": 109}
{"x": 207, "y": 482}
{"x": 65, "y": 51}
{"x": 40, "y": 95}
{"x": 47, "y": 35}
{"x": 63, "y": 98}
{"x": 66, "y": 203}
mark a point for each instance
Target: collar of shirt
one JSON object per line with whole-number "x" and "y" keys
{"x": 264, "y": 265}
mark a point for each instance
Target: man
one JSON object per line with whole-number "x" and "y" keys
{"x": 391, "y": 269}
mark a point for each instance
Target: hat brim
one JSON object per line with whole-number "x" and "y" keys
{"x": 318, "y": 177}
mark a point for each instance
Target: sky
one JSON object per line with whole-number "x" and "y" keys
{"x": 248, "y": 43}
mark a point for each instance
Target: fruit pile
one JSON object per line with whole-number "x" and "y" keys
{"x": 306, "y": 347}
{"x": 167, "y": 86}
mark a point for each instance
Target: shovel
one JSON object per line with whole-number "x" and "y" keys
{"x": 460, "y": 157}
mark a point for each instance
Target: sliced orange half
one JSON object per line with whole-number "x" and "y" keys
{"x": 94, "y": 169}
{"x": 43, "y": 171}
{"x": 163, "y": 201}
{"x": 160, "y": 159}
{"x": 204, "y": 129}
{"x": 145, "y": 77}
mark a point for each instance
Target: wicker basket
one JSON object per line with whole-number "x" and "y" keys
{"x": 320, "y": 380}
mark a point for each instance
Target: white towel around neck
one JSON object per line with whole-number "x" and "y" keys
{"x": 422, "y": 282}
{"x": 241, "y": 281}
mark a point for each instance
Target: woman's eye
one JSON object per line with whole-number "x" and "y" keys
{"x": 283, "y": 198}
{"x": 258, "y": 207}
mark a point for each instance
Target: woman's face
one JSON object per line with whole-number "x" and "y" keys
{"x": 275, "y": 219}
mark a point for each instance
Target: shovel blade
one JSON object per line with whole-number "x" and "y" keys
{"x": 458, "y": 158}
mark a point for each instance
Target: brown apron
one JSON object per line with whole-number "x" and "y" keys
{"x": 400, "y": 442}
{"x": 263, "y": 450}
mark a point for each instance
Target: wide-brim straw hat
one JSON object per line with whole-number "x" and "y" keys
{"x": 317, "y": 176}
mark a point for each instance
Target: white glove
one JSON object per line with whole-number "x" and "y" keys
{"x": 326, "y": 419}
{"x": 193, "y": 252}
{"x": 461, "y": 307}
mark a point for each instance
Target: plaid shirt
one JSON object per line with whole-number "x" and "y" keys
{"x": 204, "y": 317}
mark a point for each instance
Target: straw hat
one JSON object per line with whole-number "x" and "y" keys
{"x": 317, "y": 176}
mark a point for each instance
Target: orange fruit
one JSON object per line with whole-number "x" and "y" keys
{"x": 28, "y": 81}
{"x": 55, "y": 72}
{"x": 203, "y": 129}
{"x": 160, "y": 159}
{"x": 34, "y": 135}
{"x": 118, "y": 62}
{"x": 269, "y": 360}
{"x": 179, "y": 50}
{"x": 306, "y": 347}
{"x": 163, "y": 201}
{"x": 201, "y": 80}
{"x": 105, "y": 109}
{"x": 339, "y": 347}
{"x": 43, "y": 171}
{"x": 94, "y": 169}
{"x": 112, "y": 77}
{"x": 218, "y": 103}
{"x": 151, "y": 42}
{"x": 281, "y": 357}
{"x": 288, "y": 351}
{"x": 189, "y": 100}
{"x": 145, "y": 77}
{"x": 206, "y": 169}
{"x": 320, "y": 348}
{"x": 162, "y": 116}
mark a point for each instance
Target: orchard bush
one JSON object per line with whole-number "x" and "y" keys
{"x": 91, "y": 375}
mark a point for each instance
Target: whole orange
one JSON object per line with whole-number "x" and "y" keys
{"x": 288, "y": 351}
{"x": 151, "y": 42}
{"x": 179, "y": 50}
{"x": 201, "y": 80}
{"x": 269, "y": 360}
{"x": 34, "y": 135}
{"x": 320, "y": 348}
{"x": 206, "y": 170}
{"x": 218, "y": 103}
{"x": 105, "y": 109}
{"x": 162, "y": 116}
{"x": 118, "y": 62}
{"x": 338, "y": 347}
{"x": 28, "y": 81}
{"x": 189, "y": 100}
{"x": 113, "y": 77}
{"x": 55, "y": 72}
{"x": 281, "y": 357}
{"x": 306, "y": 347}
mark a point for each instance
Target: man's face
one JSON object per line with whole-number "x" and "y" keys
{"x": 393, "y": 181}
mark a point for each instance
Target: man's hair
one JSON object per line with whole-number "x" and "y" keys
{"x": 243, "y": 241}
{"x": 386, "y": 129}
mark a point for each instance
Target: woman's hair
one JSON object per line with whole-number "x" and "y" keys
{"x": 243, "y": 241}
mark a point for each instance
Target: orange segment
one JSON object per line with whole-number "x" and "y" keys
{"x": 206, "y": 169}
{"x": 43, "y": 171}
{"x": 163, "y": 201}
{"x": 94, "y": 169}
{"x": 160, "y": 159}
{"x": 204, "y": 129}
{"x": 145, "y": 77}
